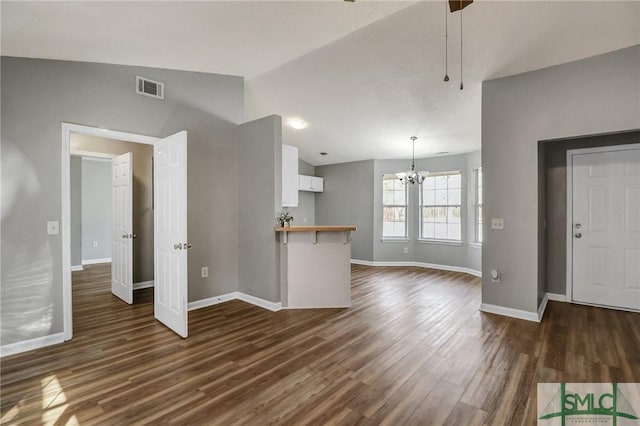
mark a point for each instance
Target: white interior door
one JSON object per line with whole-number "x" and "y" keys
{"x": 170, "y": 222}
{"x": 606, "y": 228}
{"x": 122, "y": 229}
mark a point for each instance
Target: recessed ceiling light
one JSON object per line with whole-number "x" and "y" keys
{"x": 324, "y": 153}
{"x": 297, "y": 123}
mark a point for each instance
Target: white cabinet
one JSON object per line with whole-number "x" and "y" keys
{"x": 310, "y": 183}
{"x": 289, "y": 176}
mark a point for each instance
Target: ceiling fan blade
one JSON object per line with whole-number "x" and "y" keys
{"x": 455, "y": 5}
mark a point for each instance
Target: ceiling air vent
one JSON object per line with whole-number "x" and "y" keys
{"x": 151, "y": 88}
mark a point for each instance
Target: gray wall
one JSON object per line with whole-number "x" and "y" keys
{"x": 348, "y": 200}
{"x": 305, "y": 213}
{"x": 595, "y": 95}
{"x": 142, "y": 196}
{"x": 76, "y": 210}
{"x": 259, "y": 181}
{"x": 555, "y": 195}
{"x": 37, "y": 96}
{"x": 449, "y": 254}
{"x": 96, "y": 209}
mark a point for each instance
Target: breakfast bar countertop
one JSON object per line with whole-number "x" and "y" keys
{"x": 331, "y": 228}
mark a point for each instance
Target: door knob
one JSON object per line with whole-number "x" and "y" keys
{"x": 133, "y": 236}
{"x": 187, "y": 245}
{"x": 125, "y": 236}
{"x": 578, "y": 235}
{"x": 177, "y": 246}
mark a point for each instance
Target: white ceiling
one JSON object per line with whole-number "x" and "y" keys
{"x": 365, "y": 75}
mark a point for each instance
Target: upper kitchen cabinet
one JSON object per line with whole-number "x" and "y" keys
{"x": 310, "y": 183}
{"x": 289, "y": 176}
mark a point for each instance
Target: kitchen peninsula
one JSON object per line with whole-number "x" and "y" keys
{"x": 315, "y": 266}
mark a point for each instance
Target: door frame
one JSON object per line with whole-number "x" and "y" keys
{"x": 65, "y": 225}
{"x": 569, "y": 218}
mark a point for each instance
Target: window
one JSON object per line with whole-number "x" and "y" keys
{"x": 478, "y": 205}
{"x": 394, "y": 210}
{"x": 440, "y": 205}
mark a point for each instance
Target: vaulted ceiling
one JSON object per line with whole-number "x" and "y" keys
{"x": 366, "y": 75}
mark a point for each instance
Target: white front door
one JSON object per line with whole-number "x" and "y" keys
{"x": 606, "y": 228}
{"x": 122, "y": 229}
{"x": 170, "y": 223}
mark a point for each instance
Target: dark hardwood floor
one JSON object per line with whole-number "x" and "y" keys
{"x": 413, "y": 349}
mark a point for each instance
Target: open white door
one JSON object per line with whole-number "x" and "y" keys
{"x": 170, "y": 222}
{"x": 606, "y": 228}
{"x": 122, "y": 229}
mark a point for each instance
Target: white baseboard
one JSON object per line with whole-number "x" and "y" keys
{"x": 95, "y": 261}
{"x": 543, "y": 306}
{"x": 210, "y": 301}
{"x": 272, "y": 306}
{"x": 142, "y": 284}
{"x": 236, "y": 295}
{"x": 76, "y": 268}
{"x": 419, "y": 265}
{"x": 557, "y": 297}
{"x": 509, "y": 312}
{"x": 31, "y": 344}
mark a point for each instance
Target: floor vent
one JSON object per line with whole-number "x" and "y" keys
{"x": 151, "y": 88}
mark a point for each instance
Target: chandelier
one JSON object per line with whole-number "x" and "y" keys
{"x": 411, "y": 176}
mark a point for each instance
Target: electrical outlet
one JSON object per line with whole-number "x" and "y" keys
{"x": 53, "y": 227}
{"x": 204, "y": 272}
{"x": 406, "y": 250}
{"x": 497, "y": 223}
{"x": 95, "y": 244}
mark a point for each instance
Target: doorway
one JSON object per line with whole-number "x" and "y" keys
{"x": 169, "y": 224}
{"x": 603, "y": 226}
{"x": 112, "y": 210}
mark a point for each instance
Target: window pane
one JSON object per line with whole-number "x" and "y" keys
{"x": 441, "y": 197}
{"x": 453, "y": 214}
{"x": 387, "y": 184}
{"x": 429, "y": 182}
{"x": 428, "y": 230}
{"x": 428, "y": 197}
{"x": 455, "y": 180}
{"x": 393, "y": 223}
{"x": 454, "y": 196}
{"x": 454, "y": 231}
{"x": 428, "y": 214}
{"x": 441, "y": 214}
{"x": 399, "y": 198}
{"x": 441, "y": 230}
{"x": 387, "y": 197}
{"x": 441, "y": 182}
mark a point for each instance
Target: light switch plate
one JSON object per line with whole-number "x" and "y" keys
{"x": 53, "y": 227}
{"x": 497, "y": 223}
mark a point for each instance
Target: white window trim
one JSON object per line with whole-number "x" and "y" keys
{"x": 440, "y": 241}
{"x": 404, "y": 238}
{"x": 476, "y": 242}
{"x": 420, "y": 205}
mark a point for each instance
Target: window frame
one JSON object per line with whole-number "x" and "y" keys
{"x": 421, "y": 205}
{"x": 477, "y": 205}
{"x": 383, "y": 237}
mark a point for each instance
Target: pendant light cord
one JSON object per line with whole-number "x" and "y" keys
{"x": 461, "y": 85}
{"x": 446, "y": 42}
